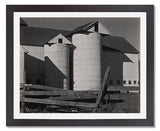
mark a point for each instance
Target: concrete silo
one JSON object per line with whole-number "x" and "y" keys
{"x": 56, "y": 54}
{"x": 87, "y": 61}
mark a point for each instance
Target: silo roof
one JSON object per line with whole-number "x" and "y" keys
{"x": 82, "y": 28}
{"x": 118, "y": 43}
{"x": 87, "y": 26}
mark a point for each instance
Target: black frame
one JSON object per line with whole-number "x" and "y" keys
{"x": 149, "y": 9}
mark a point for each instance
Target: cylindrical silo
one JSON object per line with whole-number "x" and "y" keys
{"x": 87, "y": 61}
{"x": 57, "y": 65}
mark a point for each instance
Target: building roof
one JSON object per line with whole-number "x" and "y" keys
{"x": 22, "y": 22}
{"x": 36, "y": 36}
{"x": 101, "y": 28}
{"x": 81, "y": 28}
{"x": 56, "y": 39}
{"x": 118, "y": 43}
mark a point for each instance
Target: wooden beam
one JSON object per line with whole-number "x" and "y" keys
{"x": 61, "y": 93}
{"x": 41, "y": 87}
{"x": 105, "y": 78}
{"x": 73, "y": 98}
{"x": 48, "y": 88}
{"x": 58, "y": 102}
{"x": 103, "y": 90}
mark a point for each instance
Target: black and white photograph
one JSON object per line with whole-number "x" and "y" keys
{"x": 80, "y": 65}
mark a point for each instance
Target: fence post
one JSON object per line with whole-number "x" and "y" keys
{"x": 103, "y": 90}
{"x": 23, "y": 103}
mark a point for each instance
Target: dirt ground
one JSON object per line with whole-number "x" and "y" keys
{"x": 124, "y": 103}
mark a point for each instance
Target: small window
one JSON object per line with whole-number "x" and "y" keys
{"x": 124, "y": 82}
{"x": 111, "y": 82}
{"x": 129, "y": 82}
{"x": 134, "y": 82}
{"x": 60, "y": 40}
{"x": 118, "y": 82}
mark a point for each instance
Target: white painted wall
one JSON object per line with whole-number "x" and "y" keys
{"x": 55, "y": 39}
{"x": 34, "y": 64}
{"x": 22, "y": 70}
{"x": 101, "y": 29}
{"x": 131, "y": 70}
{"x": 35, "y": 51}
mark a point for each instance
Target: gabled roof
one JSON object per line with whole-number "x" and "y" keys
{"x": 111, "y": 53}
{"x": 82, "y": 28}
{"x": 101, "y": 28}
{"x": 55, "y": 39}
{"x": 118, "y": 43}
{"x": 36, "y": 36}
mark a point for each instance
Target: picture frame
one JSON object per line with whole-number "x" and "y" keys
{"x": 11, "y": 64}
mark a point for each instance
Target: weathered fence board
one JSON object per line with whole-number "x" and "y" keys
{"x": 41, "y": 87}
{"x": 58, "y": 102}
{"x": 61, "y": 93}
{"x": 103, "y": 90}
{"x": 74, "y": 98}
{"x": 60, "y": 97}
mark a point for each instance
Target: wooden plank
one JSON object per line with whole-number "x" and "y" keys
{"x": 27, "y": 84}
{"x": 41, "y": 87}
{"x": 70, "y": 98}
{"x": 48, "y": 88}
{"x": 57, "y": 102}
{"x": 61, "y": 93}
{"x": 105, "y": 78}
{"x": 101, "y": 95}
{"x": 74, "y": 98}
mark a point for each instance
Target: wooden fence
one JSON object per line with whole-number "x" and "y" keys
{"x": 55, "y": 96}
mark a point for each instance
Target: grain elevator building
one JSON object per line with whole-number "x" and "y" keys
{"x": 76, "y": 59}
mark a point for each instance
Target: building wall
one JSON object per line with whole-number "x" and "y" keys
{"x": 34, "y": 64}
{"x": 131, "y": 71}
{"x": 124, "y": 67}
{"x": 87, "y": 61}
{"x": 87, "y": 66}
{"x": 35, "y": 51}
{"x": 115, "y": 60}
{"x": 22, "y": 70}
